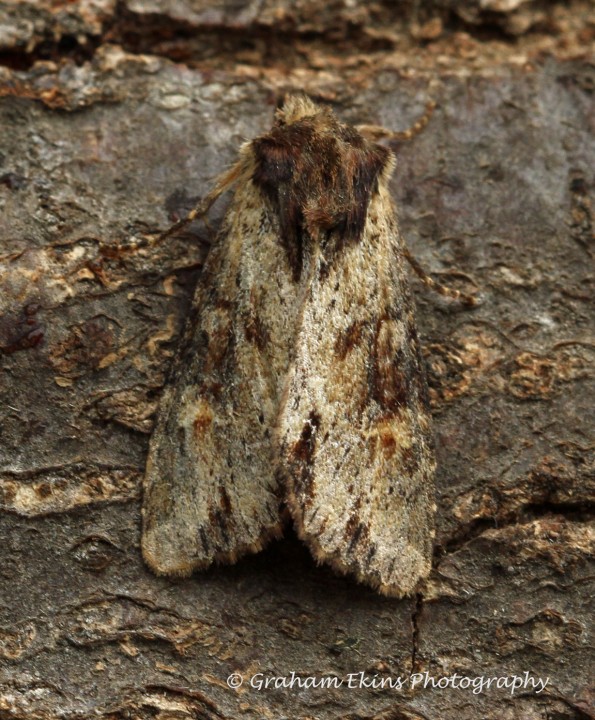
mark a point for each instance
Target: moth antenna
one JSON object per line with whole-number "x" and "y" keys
{"x": 377, "y": 132}
{"x": 222, "y": 183}
{"x": 444, "y": 290}
{"x": 239, "y": 171}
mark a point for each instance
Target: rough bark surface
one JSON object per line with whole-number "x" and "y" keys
{"x": 103, "y": 141}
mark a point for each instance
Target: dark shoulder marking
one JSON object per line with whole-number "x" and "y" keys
{"x": 319, "y": 175}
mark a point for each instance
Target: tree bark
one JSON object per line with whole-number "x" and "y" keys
{"x": 104, "y": 142}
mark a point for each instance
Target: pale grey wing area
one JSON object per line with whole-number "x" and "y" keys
{"x": 354, "y": 427}
{"x": 211, "y": 488}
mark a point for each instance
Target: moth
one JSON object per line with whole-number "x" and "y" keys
{"x": 300, "y": 385}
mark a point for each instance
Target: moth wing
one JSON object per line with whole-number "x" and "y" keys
{"x": 211, "y": 491}
{"x": 354, "y": 426}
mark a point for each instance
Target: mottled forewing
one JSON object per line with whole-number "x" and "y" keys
{"x": 211, "y": 490}
{"x": 354, "y": 426}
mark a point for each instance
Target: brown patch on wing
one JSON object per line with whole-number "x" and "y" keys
{"x": 319, "y": 176}
{"x": 219, "y": 525}
{"x": 355, "y": 532}
{"x": 256, "y": 332}
{"x": 202, "y": 419}
{"x": 303, "y": 449}
{"x": 302, "y": 455}
{"x": 409, "y": 461}
{"x": 389, "y": 377}
{"x": 224, "y": 501}
{"x": 211, "y": 389}
{"x": 219, "y": 339}
{"x": 388, "y": 443}
{"x": 347, "y": 340}
{"x": 388, "y": 436}
{"x": 224, "y": 304}
{"x": 204, "y": 540}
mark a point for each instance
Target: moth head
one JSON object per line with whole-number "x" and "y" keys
{"x": 294, "y": 108}
{"x": 319, "y": 176}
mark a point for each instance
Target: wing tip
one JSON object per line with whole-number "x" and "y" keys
{"x": 406, "y": 584}
{"x": 400, "y": 580}
{"x": 167, "y": 558}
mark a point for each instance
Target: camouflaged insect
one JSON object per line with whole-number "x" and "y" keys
{"x": 300, "y": 382}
